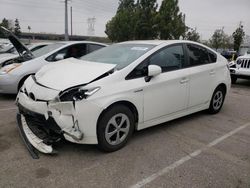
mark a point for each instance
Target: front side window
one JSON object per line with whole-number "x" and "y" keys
{"x": 76, "y": 51}
{"x": 47, "y": 49}
{"x": 197, "y": 55}
{"x": 94, "y": 47}
{"x": 170, "y": 58}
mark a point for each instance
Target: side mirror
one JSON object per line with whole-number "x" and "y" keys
{"x": 59, "y": 57}
{"x": 153, "y": 70}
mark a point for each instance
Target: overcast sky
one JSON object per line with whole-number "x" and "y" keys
{"x": 48, "y": 15}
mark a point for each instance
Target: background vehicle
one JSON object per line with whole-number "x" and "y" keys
{"x": 101, "y": 98}
{"x": 7, "y": 49}
{"x": 4, "y": 57}
{"x": 241, "y": 67}
{"x": 229, "y": 55}
{"x": 13, "y": 72}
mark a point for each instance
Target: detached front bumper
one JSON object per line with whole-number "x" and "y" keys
{"x": 32, "y": 142}
{"x": 43, "y": 123}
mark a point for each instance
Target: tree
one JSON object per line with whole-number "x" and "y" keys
{"x": 5, "y": 23}
{"x": 238, "y": 36}
{"x": 217, "y": 39}
{"x": 171, "y": 21}
{"x": 145, "y": 26}
{"x": 121, "y": 26}
{"x": 17, "y": 28}
{"x": 192, "y": 35}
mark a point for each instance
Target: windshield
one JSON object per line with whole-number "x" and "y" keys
{"x": 47, "y": 49}
{"x": 243, "y": 50}
{"x": 119, "y": 54}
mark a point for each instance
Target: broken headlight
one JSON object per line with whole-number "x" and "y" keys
{"x": 77, "y": 94}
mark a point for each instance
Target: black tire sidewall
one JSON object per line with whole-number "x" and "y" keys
{"x": 103, "y": 121}
{"x": 233, "y": 79}
{"x": 211, "y": 108}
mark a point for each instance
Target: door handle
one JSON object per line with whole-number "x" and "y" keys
{"x": 212, "y": 72}
{"x": 184, "y": 80}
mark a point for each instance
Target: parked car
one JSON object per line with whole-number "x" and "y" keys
{"x": 7, "y": 49}
{"x": 230, "y": 55}
{"x": 106, "y": 95}
{"x": 241, "y": 67}
{"x": 6, "y": 57}
{"x": 14, "y": 72}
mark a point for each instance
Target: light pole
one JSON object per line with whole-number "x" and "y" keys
{"x": 66, "y": 20}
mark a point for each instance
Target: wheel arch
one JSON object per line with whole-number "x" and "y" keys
{"x": 126, "y": 103}
{"x": 224, "y": 86}
{"x": 22, "y": 81}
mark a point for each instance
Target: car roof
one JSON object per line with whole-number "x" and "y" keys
{"x": 80, "y": 42}
{"x": 159, "y": 42}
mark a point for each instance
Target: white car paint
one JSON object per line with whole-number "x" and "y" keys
{"x": 241, "y": 67}
{"x": 9, "y": 82}
{"x": 166, "y": 96}
{"x": 8, "y": 56}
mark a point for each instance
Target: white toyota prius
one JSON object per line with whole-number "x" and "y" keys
{"x": 106, "y": 95}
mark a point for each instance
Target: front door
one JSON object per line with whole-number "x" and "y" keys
{"x": 166, "y": 93}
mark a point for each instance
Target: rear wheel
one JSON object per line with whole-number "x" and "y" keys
{"x": 217, "y": 100}
{"x": 114, "y": 128}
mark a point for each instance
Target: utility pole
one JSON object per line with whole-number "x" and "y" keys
{"x": 71, "y": 21}
{"x": 66, "y": 20}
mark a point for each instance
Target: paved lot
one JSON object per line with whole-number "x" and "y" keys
{"x": 199, "y": 150}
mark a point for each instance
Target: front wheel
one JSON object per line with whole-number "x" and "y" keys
{"x": 217, "y": 100}
{"x": 114, "y": 128}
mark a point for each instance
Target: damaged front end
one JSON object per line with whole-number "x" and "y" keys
{"x": 43, "y": 123}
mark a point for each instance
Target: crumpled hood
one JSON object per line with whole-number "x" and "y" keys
{"x": 70, "y": 72}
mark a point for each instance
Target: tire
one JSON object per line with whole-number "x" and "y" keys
{"x": 112, "y": 134}
{"x": 217, "y": 100}
{"x": 233, "y": 79}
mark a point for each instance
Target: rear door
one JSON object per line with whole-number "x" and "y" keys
{"x": 202, "y": 75}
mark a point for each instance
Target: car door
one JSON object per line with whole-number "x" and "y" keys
{"x": 166, "y": 93}
{"x": 202, "y": 75}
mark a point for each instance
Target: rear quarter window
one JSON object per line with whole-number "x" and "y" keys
{"x": 212, "y": 57}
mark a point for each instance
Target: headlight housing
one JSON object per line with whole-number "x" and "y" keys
{"x": 9, "y": 68}
{"x": 77, "y": 93}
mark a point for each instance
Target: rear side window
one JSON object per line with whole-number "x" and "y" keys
{"x": 212, "y": 56}
{"x": 197, "y": 55}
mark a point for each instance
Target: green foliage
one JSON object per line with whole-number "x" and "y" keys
{"x": 192, "y": 35}
{"x": 217, "y": 39}
{"x": 5, "y": 23}
{"x": 121, "y": 27}
{"x": 17, "y": 28}
{"x": 220, "y": 40}
{"x": 140, "y": 21}
{"x": 238, "y": 36}
{"x": 171, "y": 21}
{"x": 145, "y": 26}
